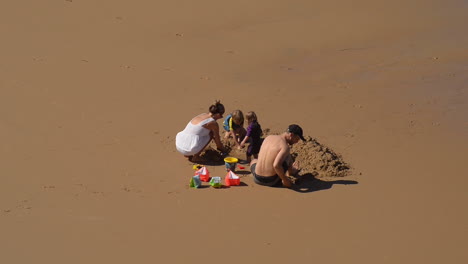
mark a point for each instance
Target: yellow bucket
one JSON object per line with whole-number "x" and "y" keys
{"x": 231, "y": 163}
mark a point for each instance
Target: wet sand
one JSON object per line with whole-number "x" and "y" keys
{"x": 92, "y": 94}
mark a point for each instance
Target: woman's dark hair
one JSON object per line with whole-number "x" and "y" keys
{"x": 217, "y": 108}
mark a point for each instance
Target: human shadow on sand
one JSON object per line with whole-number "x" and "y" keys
{"x": 223, "y": 186}
{"x": 209, "y": 162}
{"x": 242, "y": 172}
{"x": 309, "y": 183}
{"x": 210, "y": 157}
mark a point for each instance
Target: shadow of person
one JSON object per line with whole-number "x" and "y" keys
{"x": 242, "y": 172}
{"x": 210, "y": 162}
{"x": 309, "y": 183}
{"x": 211, "y": 157}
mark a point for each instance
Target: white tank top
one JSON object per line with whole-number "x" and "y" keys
{"x": 198, "y": 129}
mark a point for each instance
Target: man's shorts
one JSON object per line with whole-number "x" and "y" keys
{"x": 274, "y": 180}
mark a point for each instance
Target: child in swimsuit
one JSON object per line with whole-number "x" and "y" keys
{"x": 253, "y": 136}
{"x": 234, "y": 126}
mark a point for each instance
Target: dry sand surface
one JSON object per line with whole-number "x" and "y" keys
{"x": 92, "y": 94}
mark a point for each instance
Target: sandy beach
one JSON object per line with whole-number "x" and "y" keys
{"x": 93, "y": 93}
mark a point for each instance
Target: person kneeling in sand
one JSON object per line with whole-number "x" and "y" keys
{"x": 234, "y": 127}
{"x": 199, "y": 132}
{"x": 274, "y": 158}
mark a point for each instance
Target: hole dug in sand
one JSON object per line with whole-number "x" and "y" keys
{"x": 210, "y": 156}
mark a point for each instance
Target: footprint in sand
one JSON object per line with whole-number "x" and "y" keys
{"x": 287, "y": 68}
{"x": 358, "y": 106}
{"x": 23, "y": 206}
{"x": 128, "y": 189}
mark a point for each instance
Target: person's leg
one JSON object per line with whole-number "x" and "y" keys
{"x": 294, "y": 169}
{"x": 265, "y": 181}
{"x": 248, "y": 158}
{"x": 196, "y": 157}
{"x": 253, "y": 150}
{"x": 292, "y": 166}
{"x": 252, "y": 162}
{"x": 248, "y": 153}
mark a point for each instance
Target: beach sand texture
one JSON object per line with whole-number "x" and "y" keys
{"x": 92, "y": 94}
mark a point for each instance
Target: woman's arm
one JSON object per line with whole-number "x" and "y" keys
{"x": 214, "y": 127}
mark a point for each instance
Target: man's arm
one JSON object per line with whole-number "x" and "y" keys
{"x": 278, "y": 166}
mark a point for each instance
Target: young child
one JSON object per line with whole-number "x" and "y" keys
{"x": 234, "y": 126}
{"x": 253, "y": 135}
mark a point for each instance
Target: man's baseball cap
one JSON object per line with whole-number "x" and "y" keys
{"x": 296, "y": 130}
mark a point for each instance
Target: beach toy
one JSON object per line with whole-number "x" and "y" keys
{"x": 231, "y": 179}
{"x": 197, "y": 166}
{"x": 204, "y": 174}
{"x": 216, "y": 182}
{"x": 230, "y": 163}
{"x": 240, "y": 167}
{"x": 195, "y": 181}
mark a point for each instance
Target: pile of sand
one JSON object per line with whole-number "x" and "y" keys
{"x": 319, "y": 160}
{"x": 316, "y": 159}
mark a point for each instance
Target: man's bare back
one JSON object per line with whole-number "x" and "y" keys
{"x": 271, "y": 147}
{"x": 274, "y": 158}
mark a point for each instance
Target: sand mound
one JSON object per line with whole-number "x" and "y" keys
{"x": 319, "y": 160}
{"x": 316, "y": 159}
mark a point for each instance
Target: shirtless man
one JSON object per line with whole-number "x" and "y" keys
{"x": 274, "y": 158}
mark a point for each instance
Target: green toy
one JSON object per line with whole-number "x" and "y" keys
{"x": 195, "y": 181}
{"x": 216, "y": 182}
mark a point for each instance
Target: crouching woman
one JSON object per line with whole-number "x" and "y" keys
{"x": 199, "y": 132}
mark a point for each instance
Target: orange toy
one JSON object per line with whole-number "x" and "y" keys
{"x": 231, "y": 179}
{"x": 204, "y": 174}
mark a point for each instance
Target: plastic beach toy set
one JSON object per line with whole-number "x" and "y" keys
{"x": 203, "y": 175}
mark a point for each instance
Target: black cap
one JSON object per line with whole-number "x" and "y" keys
{"x": 296, "y": 130}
